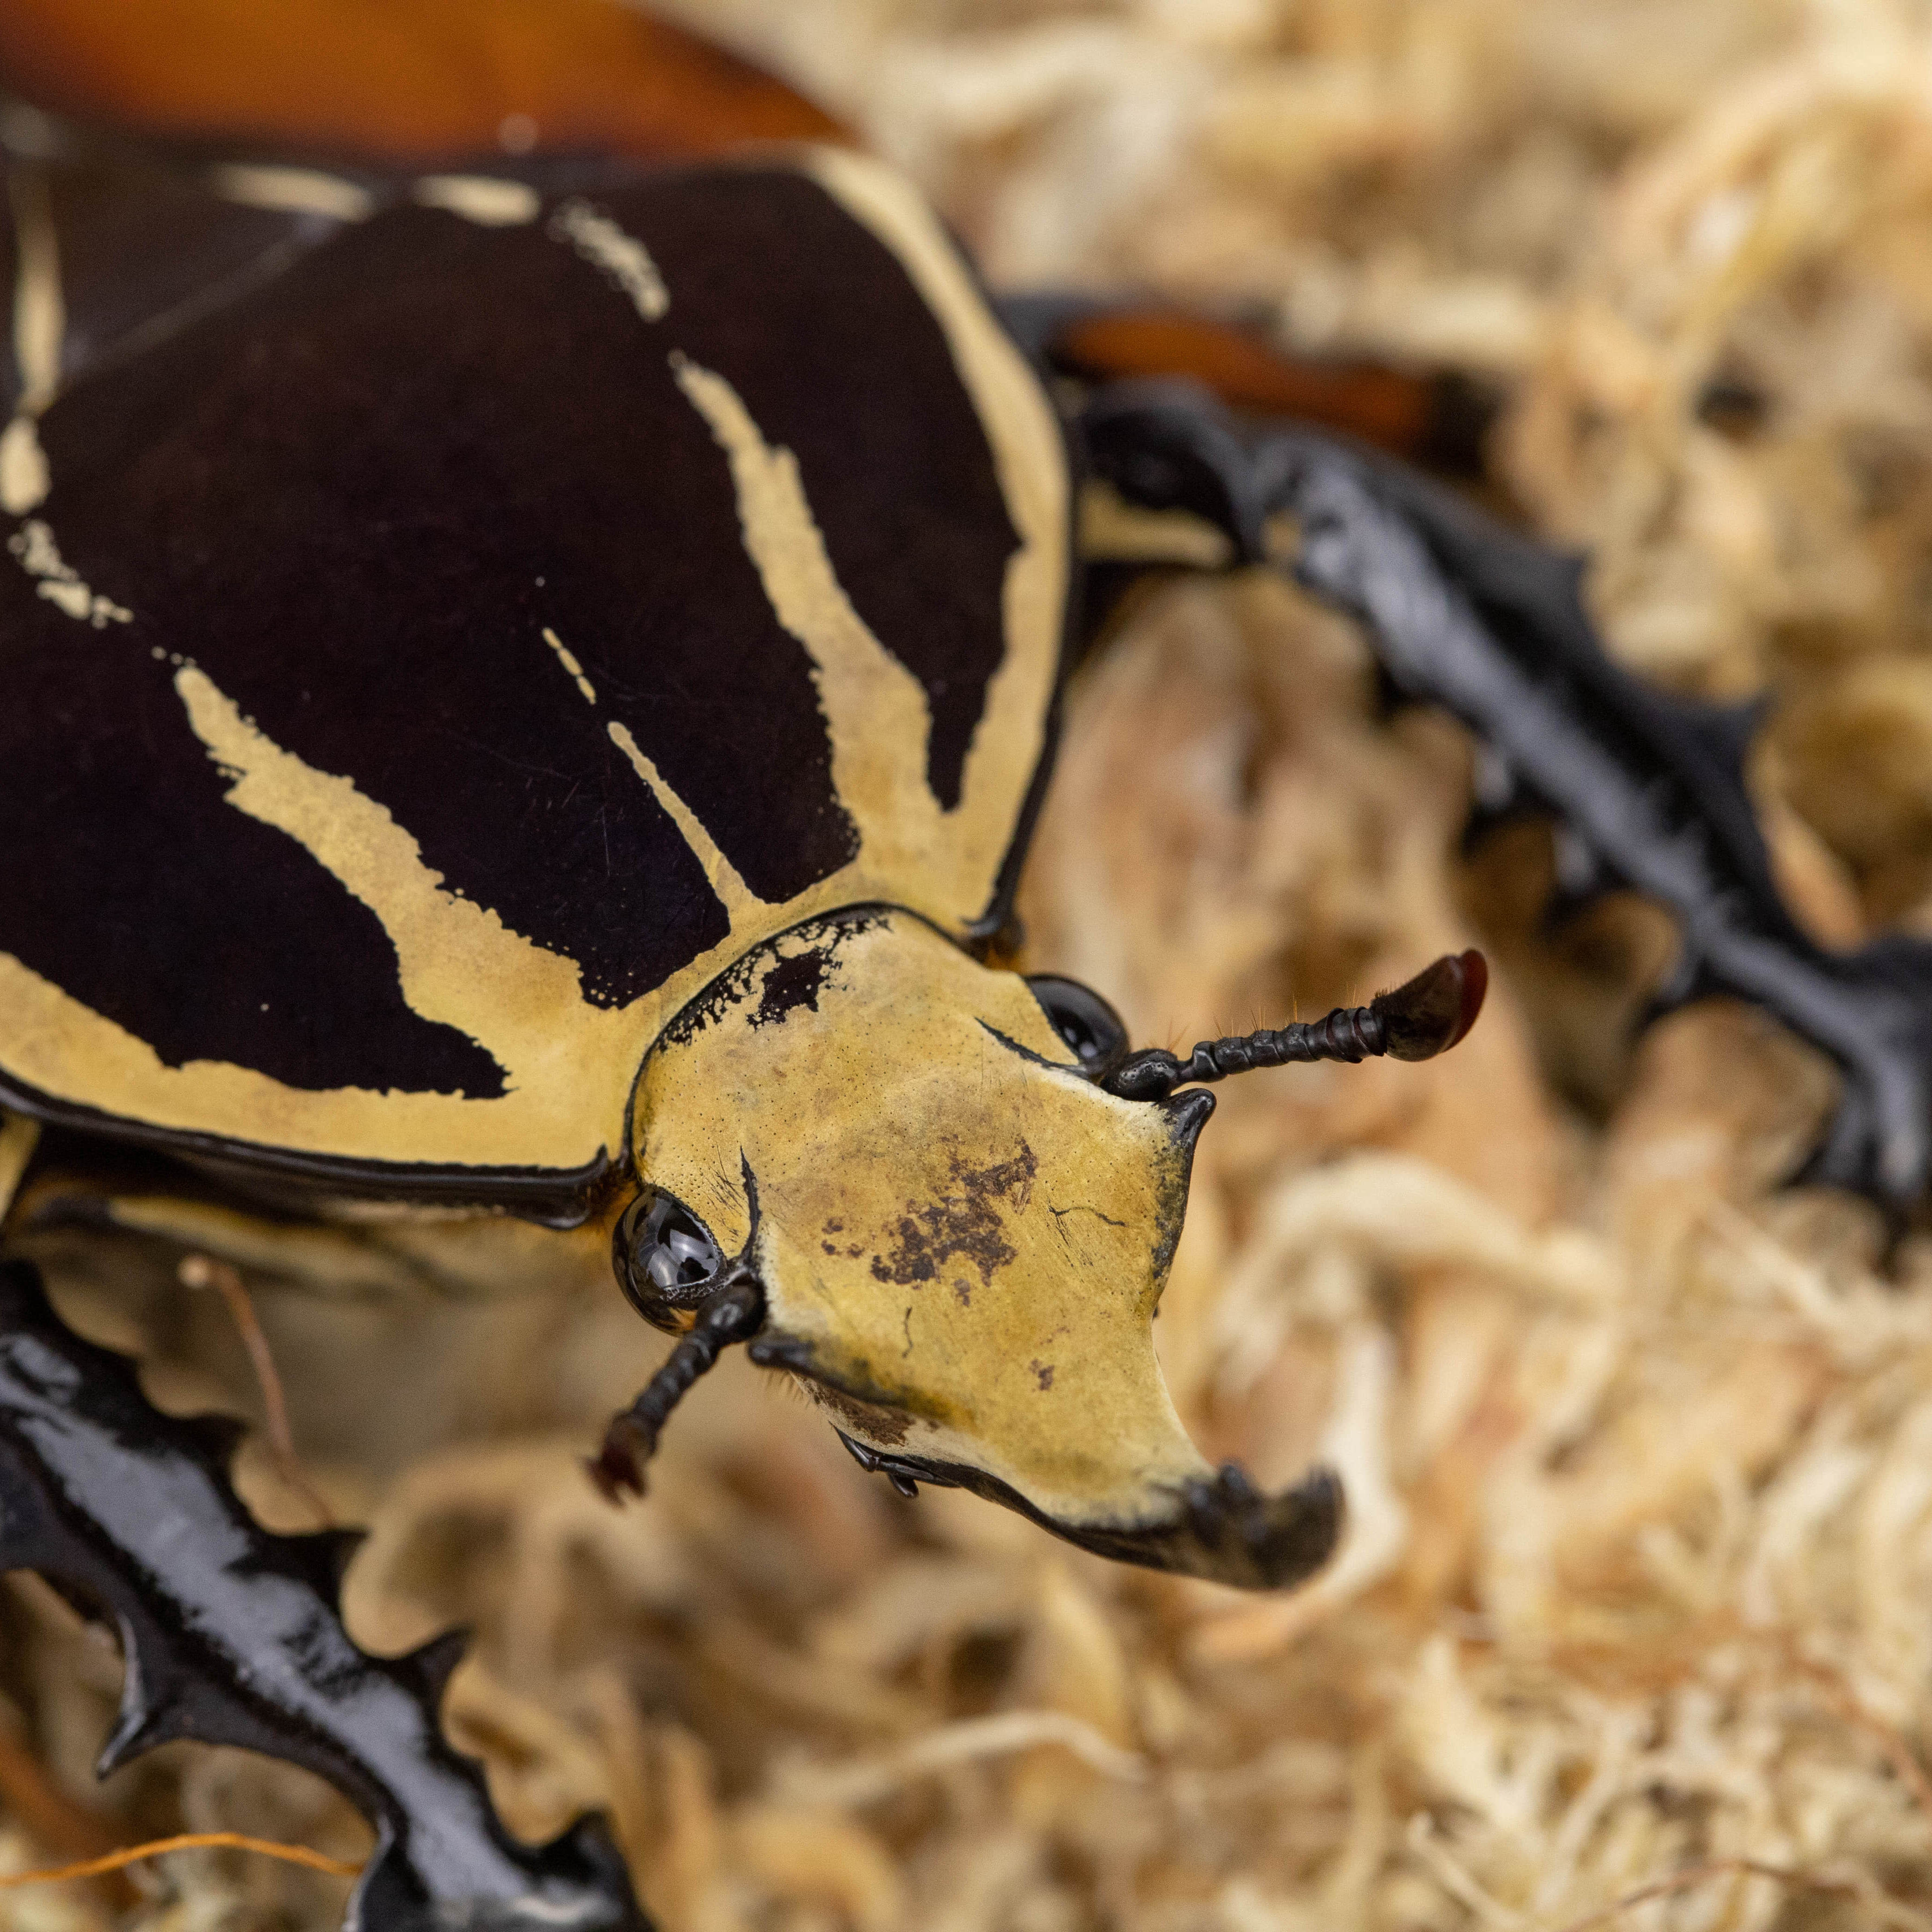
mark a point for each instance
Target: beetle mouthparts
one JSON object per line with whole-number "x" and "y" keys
{"x": 1423, "y": 1017}
{"x": 735, "y": 1312}
{"x": 1217, "y": 1526}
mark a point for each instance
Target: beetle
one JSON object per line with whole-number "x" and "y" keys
{"x": 530, "y": 691}
{"x": 499, "y": 841}
{"x": 582, "y": 744}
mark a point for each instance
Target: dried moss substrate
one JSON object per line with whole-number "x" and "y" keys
{"x": 1639, "y": 1448}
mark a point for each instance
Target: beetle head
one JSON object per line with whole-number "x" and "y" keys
{"x": 960, "y": 1234}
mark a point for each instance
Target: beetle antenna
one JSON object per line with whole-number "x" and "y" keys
{"x": 1425, "y": 1016}
{"x": 733, "y": 1312}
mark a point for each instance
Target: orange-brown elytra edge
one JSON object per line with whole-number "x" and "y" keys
{"x": 406, "y": 80}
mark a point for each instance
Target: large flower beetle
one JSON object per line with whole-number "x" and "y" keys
{"x": 589, "y": 640}
{"x": 703, "y": 908}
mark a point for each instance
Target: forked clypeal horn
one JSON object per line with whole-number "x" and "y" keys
{"x": 1425, "y": 1016}
{"x": 1222, "y": 1528}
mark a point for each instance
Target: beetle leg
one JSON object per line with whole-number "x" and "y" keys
{"x": 233, "y": 1635}
{"x": 1650, "y": 789}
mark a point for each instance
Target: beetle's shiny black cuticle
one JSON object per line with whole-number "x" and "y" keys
{"x": 233, "y": 1635}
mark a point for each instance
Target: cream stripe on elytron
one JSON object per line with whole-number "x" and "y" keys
{"x": 19, "y": 1137}
{"x": 743, "y": 907}
{"x": 39, "y": 321}
{"x": 568, "y": 1064}
{"x": 488, "y": 200}
{"x": 292, "y": 191}
{"x": 40, "y": 326}
{"x": 567, "y": 658}
{"x": 875, "y": 709}
{"x": 1029, "y": 458}
{"x": 620, "y": 255}
{"x": 33, "y": 547}
{"x": 939, "y": 862}
{"x": 444, "y": 943}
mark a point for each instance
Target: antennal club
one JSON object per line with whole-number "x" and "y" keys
{"x": 734, "y": 1313}
{"x": 1425, "y": 1016}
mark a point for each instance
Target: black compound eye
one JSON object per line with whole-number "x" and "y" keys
{"x": 666, "y": 1260}
{"x": 1083, "y": 1019}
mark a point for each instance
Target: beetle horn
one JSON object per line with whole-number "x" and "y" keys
{"x": 1425, "y": 1016}
{"x": 1215, "y": 1525}
{"x": 735, "y": 1311}
{"x": 1230, "y": 1532}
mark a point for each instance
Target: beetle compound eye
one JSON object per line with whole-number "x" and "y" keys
{"x": 1083, "y": 1019}
{"x": 666, "y": 1260}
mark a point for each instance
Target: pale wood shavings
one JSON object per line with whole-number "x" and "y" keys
{"x": 968, "y": 1740}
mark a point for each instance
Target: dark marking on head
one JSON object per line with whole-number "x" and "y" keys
{"x": 1043, "y": 1373}
{"x": 784, "y": 980}
{"x": 964, "y": 1221}
{"x": 792, "y": 983}
{"x": 1081, "y": 1207}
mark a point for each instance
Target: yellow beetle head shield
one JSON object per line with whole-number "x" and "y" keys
{"x": 946, "y": 1198}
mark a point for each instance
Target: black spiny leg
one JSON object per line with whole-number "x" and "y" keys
{"x": 232, "y": 1636}
{"x": 1466, "y": 614}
